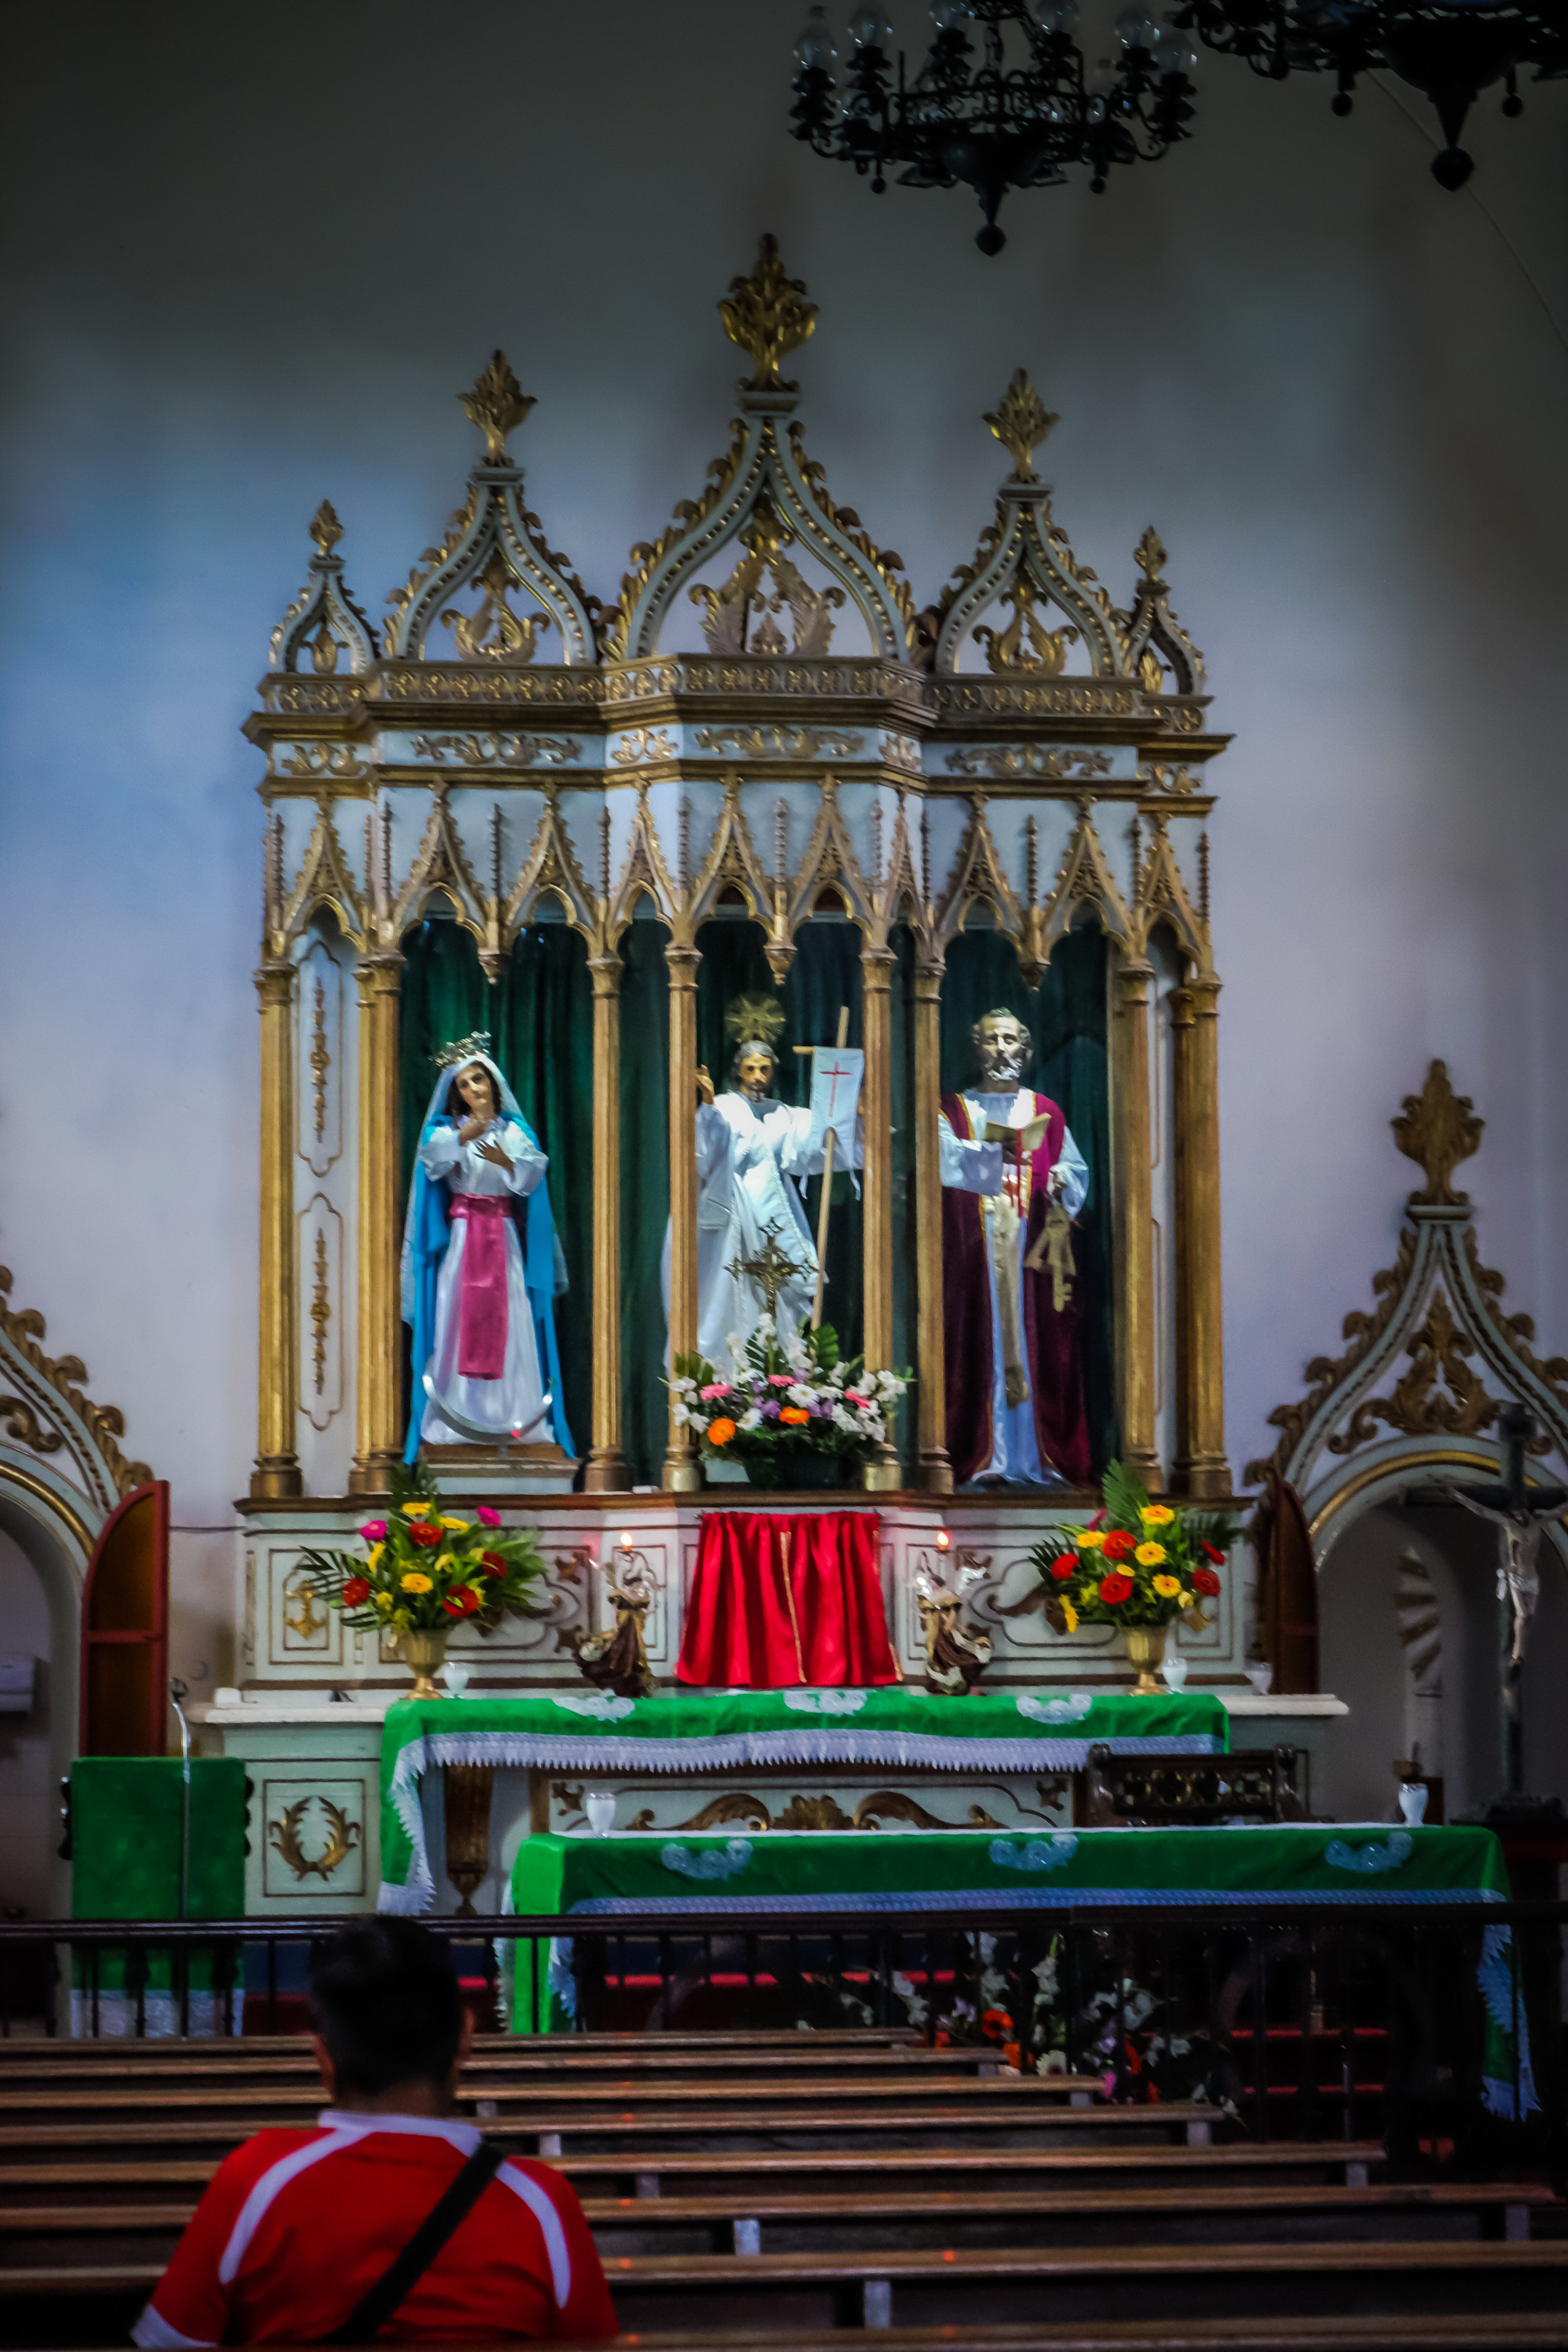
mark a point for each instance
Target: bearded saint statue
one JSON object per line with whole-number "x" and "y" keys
{"x": 1012, "y": 1179}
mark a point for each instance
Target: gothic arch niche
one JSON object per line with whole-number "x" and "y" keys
{"x": 1413, "y": 1400}
{"x": 62, "y": 1475}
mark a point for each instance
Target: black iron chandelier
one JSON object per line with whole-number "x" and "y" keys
{"x": 1450, "y": 50}
{"x": 993, "y": 116}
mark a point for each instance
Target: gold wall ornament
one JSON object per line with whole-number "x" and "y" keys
{"x": 1025, "y": 643}
{"x": 1150, "y": 555}
{"x": 321, "y": 1062}
{"x": 499, "y": 750}
{"x": 768, "y": 316}
{"x": 325, "y": 528}
{"x": 342, "y": 1835}
{"x": 20, "y": 1423}
{"x": 1438, "y": 1128}
{"x": 1021, "y": 421}
{"x": 783, "y": 742}
{"x": 729, "y": 610}
{"x": 320, "y": 1313}
{"x": 1180, "y": 782}
{"x": 498, "y": 405}
{"x": 1438, "y": 1307}
{"x": 309, "y": 1621}
{"x": 1048, "y": 763}
{"x": 494, "y": 633}
{"x": 324, "y": 620}
{"x": 642, "y": 744}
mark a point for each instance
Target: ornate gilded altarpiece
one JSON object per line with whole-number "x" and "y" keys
{"x": 1021, "y": 755}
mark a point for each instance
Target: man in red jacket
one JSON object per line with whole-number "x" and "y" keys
{"x": 332, "y": 2233}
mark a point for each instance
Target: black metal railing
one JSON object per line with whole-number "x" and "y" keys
{"x": 1435, "y": 2028}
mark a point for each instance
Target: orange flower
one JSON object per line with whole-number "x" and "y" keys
{"x": 720, "y": 1431}
{"x": 795, "y": 1415}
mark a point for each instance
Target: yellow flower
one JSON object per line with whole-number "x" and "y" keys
{"x": 418, "y": 1510}
{"x": 1070, "y": 1615}
{"x": 454, "y": 1523}
{"x": 376, "y": 1551}
{"x": 415, "y": 1582}
{"x": 1149, "y": 1555}
{"x": 384, "y": 1600}
{"x": 1157, "y": 1515}
{"x": 403, "y": 1618}
{"x": 1167, "y": 1587}
{"x": 1187, "y": 1599}
{"x": 1091, "y": 1539}
{"x": 445, "y": 1564}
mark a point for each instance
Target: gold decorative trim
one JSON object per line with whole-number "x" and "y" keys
{"x": 1393, "y": 1467}
{"x": 13, "y": 1476}
{"x": 103, "y": 1424}
{"x": 1021, "y": 421}
{"x": 1438, "y": 1128}
{"x": 498, "y": 405}
{"x": 341, "y": 1834}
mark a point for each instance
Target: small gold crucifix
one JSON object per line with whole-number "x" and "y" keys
{"x": 769, "y": 1269}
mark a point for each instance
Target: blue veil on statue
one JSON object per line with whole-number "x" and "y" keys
{"x": 426, "y": 1233}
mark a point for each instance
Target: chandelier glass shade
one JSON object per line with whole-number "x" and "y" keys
{"x": 1003, "y": 100}
{"x": 1450, "y": 50}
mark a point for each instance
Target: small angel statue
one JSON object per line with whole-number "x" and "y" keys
{"x": 956, "y": 1657}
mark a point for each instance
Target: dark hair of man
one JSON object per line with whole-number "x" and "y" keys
{"x": 385, "y": 2000}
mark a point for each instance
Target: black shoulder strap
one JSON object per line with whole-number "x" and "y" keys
{"x": 377, "y": 2305}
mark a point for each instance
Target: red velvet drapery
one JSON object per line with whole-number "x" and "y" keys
{"x": 784, "y": 1598}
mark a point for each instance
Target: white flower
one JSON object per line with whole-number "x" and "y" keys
{"x": 679, "y": 1415}
{"x": 750, "y": 1419}
{"x": 801, "y": 1394}
{"x": 847, "y": 1421}
{"x": 764, "y": 1327}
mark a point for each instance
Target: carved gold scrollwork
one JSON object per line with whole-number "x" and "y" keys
{"x": 495, "y": 633}
{"x": 1023, "y": 761}
{"x": 782, "y": 742}
{"x": 499, "y": 750}
{"x": 1439, "y": 1392}
{"x": 321, "y": 1062}
{"x": 102, "y": 1424}
{"x": 320, "y": 1313}
{"x": 342, "y": 1837}
{"x": 21, "y": 1422}
{"x": 1024, "y": 644}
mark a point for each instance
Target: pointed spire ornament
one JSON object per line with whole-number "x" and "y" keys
{"x": 1021, "y": 421}
{"x": 768, "y": 315}
{"x": 498, "y": 405}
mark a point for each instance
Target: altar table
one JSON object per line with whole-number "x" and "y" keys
{"x": 684, "y": 1731}
{"x": 826, "y": 1874}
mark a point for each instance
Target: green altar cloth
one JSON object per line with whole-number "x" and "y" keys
{"x": 126, "y": 1836}
{"x": 960, "y": 1870}
{"x": 838, "y": 1872}
{"x": 126, "y": 1814}
{"x": 722, "y": 1731}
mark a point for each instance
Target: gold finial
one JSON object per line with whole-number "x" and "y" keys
{"x": 768, "y": 315}
{"x": 497, "y": 404}
{"x": 1020, "y": 420}
{"x": 325, "y": 528}
{"x": 1438, "y": 1128}
{"x": 1151, "y": 555}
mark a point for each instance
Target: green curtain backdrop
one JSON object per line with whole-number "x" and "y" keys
{"x": 1067, "y": 1015}
{"x": 539, "y": 1015}
{"x": 645, "y": 1195}
{"x": 824, "y": 976}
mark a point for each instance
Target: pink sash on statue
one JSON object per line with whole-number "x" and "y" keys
{"x": 482, "y": 1309}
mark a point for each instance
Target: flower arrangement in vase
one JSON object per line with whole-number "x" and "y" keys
{"x": 427, "y": 1570}
{"x": 1138, "y": 1564}
{"x": 795, "y": 1412}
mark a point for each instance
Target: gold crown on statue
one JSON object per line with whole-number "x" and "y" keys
{"x": 758, "y": 1016}
{"x": 466, "y": 1049}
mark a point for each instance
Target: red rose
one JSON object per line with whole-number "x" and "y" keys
{"x": 493, "y": 1564}
{"x": 422, "y": 1534}
{"x": 461, "y": 1603}
{"x": 1212, "y": 1552}
{"x": 1066, "y": 1566}
{"x": 1118, "y": 1546}
{"x": 1115, "y": 1589}
{"x": 356, "y": 1591}
{"x": 1205, "y": 1581}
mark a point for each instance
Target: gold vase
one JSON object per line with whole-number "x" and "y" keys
{"x": 1146, "y": 1649}
{"x": 424, "y": 1648}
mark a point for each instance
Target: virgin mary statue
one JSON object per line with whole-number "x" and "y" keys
{"x": 481, "y": 1265}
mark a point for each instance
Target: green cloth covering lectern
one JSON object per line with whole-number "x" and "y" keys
{"x": 126, "y": 1827}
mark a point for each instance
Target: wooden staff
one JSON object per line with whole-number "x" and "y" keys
{"x": 826, "y": 1201}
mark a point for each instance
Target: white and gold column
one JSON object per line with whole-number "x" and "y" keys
{"x": 682, "y": 1472}
{"x": 1201, "y": 1469}
{"x": 379, "y": 1411}
{"x": 1134, "y": 1217}
{"x": 277, "y": 1472}
{"x": 607, "y": 1472}
{"x": 931, "y": 1365}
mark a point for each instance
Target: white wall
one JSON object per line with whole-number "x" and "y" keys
{"x": 253, "y": 254}
{"x": 29, "y": 1805}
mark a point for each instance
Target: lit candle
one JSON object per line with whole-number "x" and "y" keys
{"x": 943, "y": 1539}
{"x": 625, "y": 1539}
